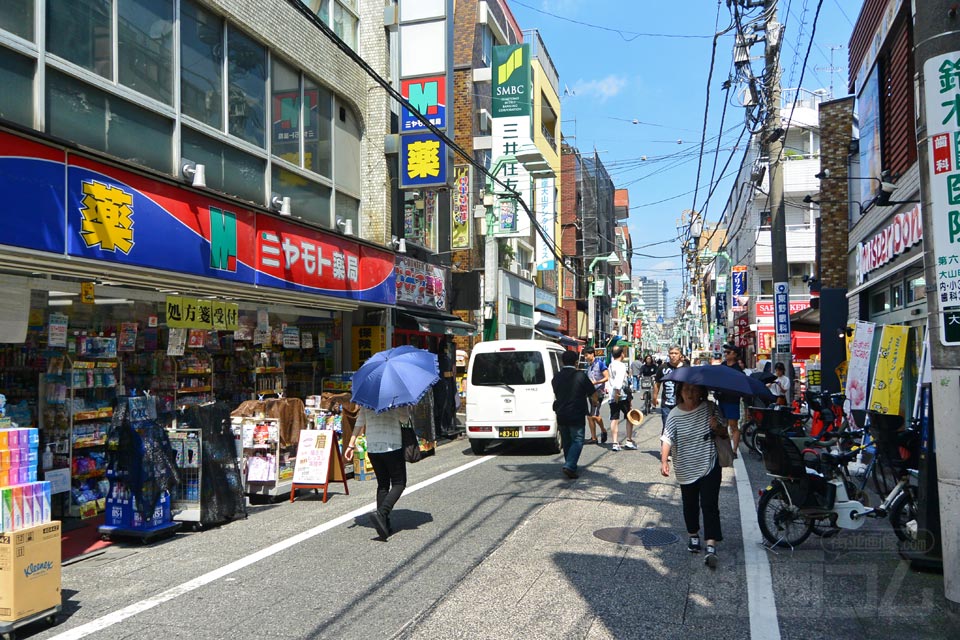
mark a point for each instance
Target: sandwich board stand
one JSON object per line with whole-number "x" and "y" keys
{"x": 318, "y": 462}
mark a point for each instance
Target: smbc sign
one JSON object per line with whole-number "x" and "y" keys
{"x": 511, "y": 81}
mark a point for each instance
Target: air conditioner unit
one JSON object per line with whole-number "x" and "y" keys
{"x": 485, "y": 120}
{"x": 525, "y": 273}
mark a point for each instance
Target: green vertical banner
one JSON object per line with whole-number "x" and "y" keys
{"x": 512, "y": 93}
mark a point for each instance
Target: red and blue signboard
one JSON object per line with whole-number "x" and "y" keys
{"x": 429, "y": 97}
{"x": 69, "y": 205}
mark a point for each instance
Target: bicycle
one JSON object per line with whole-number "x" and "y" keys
{"x": 646, "y": 391}
{"x": 799, "y": 499}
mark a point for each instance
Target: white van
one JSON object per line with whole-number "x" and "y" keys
{"x": 510, "y": 392}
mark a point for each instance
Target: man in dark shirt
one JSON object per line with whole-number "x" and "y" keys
{"x": 571, "y": 388}
{"x": 665, "y": 391}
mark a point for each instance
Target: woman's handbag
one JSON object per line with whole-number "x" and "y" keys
{"x": 724, "y": 452}
{"x": 411, "y": 444}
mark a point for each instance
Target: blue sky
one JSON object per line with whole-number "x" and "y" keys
{"x": 634, "y": 96}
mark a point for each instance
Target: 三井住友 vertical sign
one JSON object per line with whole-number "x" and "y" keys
{"x": 941, "y": 76}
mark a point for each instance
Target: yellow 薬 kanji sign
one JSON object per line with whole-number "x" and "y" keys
{"x": 423, "y": 159}
{"x": 107, "y": 213}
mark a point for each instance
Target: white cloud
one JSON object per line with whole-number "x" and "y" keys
{"x": 603, "y": 89}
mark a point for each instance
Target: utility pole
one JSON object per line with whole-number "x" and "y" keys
{"x": 937, "y": 63}
{"x": 774, "y": 135}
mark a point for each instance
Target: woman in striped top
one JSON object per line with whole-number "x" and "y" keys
{"x": 690, "y": 430}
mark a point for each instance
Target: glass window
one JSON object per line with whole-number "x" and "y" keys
{"x": 317, "y": 128}
{"x": 420, "y": 218}
{"x": 285, "y": 101}
{"x": 766, "y": 287}
{"x": 509, "y": 367}
{"x": 201, "y": 65}
{"x": 145, "y": 47}
{"x": 916, "y": 290}
{"x": 764, "y": 218}
{"x": 78, "y": 112}
{"x": 246, "y": 87}
{"x": 79, "y": 31}
{"x": 486, "y": 53}
{"x": 309, "y": 201}
{"x": 228, "y": 169}
{"x": 347, "y": 160}
{"x": 879, "y": 302}
{"x": 896, "y": 295}
{"x": 16, "y": 16}
{"x": 345, "y": 24}
{"x": 321, "y": 8}
{"x": 16, "y": 78}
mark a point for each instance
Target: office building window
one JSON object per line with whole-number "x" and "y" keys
{"x": 145, "y": 47}
{"x": 228, "y": 169}
{"x": 318, "y": 128}
{"x": 246, "y": 87}
{"x": 343, "y": 16}
{"x": 201, "y": 65}
{"x": 880, "y": 302}
{"x": 83, "y": 114}
{"x": 16, "y": 16}
{"x": 80, "y": 31}
{"x": 285, "y": 102}
{"x": 16, "y": 78}
{"x": 896, "y": 295}
{"x": 916, "y": 290}
{"x": 309, "y": 200}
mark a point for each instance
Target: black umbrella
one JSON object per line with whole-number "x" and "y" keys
{"x": 763, "y": 376}
{"x": 720, "y": 378}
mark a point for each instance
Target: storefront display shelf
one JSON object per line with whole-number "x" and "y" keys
{"x": 82, "y": 444}
{"x": 185, "y": 497}
{"x": 96, "y": 473}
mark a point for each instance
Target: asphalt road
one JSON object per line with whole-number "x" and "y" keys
{"x": 500, "y": 549}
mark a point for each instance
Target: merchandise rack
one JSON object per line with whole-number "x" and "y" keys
{"x": 260, "y": 438}
{"x": 185, "y": 501}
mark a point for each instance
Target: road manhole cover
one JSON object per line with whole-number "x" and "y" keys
{"x": 648, "y": 537}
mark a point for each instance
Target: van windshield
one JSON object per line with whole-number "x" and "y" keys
{"x": 508, "y": 367}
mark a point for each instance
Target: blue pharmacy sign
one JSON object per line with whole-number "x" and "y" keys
{"x": 423, "y": 161}
{"x": 781, "y": 300}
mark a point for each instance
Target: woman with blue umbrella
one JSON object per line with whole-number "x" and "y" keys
{"x": 385, "y": 387}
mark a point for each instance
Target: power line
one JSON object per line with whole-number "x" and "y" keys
{"x": 622, "y": 33}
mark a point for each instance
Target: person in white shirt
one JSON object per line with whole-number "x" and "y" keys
{"x": 618, "y": 390}
{"x": 781, "y": 386}
{"x": 385, "y": 448}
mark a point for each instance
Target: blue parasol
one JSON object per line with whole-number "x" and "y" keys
{"x": 393, "y": 378}
{"x": 721, "y": 378}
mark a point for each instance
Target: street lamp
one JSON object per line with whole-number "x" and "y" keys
{"x": 613, "y": 260}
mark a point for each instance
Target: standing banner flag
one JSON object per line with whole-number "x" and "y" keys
{"x": 886, "y": 394}
{"x": 858, "y": 365}
{"x": 460, "y": 209}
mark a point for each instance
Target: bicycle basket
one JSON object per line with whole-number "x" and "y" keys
{"x": 896, "y": 446}
{"x": 781, "y": 457}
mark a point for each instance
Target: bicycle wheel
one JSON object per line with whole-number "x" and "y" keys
{"x": 781, "y": 523}
{"x": 902, "y": 512}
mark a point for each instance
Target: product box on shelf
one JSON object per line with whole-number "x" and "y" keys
{"x": 122, "y": 512}
{"x": 29, "y": 571}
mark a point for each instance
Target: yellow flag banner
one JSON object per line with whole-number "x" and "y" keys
{"x": 886, "y": 394}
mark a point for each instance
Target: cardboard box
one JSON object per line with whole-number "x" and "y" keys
{"x": 29, "y": 571}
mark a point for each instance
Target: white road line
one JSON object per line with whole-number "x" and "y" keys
{"x": 120, "y": 615}
{"x": 760, "y": 600}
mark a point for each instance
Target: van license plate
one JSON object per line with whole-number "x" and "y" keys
{"x": 508, "y": 433}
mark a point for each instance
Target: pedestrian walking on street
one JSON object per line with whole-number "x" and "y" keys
{"x": 385, "y": 448}
{"x": 690, "y": 431}
{"x": 598, "y": 374}
{"x": 730, "y": 405}
{"x": 664, "y": 391}
{"x": 572, "y": 389}
{"x": 618, "y": 390}
{"x": 781, "y": 386}
{"x": 635, "y": 367}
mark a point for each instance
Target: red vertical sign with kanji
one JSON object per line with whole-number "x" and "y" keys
{"x": 941, "y": 153}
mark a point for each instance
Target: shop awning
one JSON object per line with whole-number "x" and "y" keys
{"x": 547, "y": 333}
{"x": 806, "y": 320}
{"x": 805, "y": 340}
{"x": 443, "y": 324}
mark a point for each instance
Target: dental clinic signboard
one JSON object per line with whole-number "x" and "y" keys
{"x": 941, "y": 77}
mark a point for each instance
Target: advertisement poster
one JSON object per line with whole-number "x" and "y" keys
{"x": 196, "y": 338}
{"x": 177, "y": 341}
{"x": 57, "y": 331}
{"x": 306, "y": 340}
{"x": 313, "y": 456}
{"x": 886, "y": 393}
{"x": 128, "y": 337}
{"x": 460, "y": 208}
{"x": 858, "y": 366}
{"x": 291, "y": 337}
